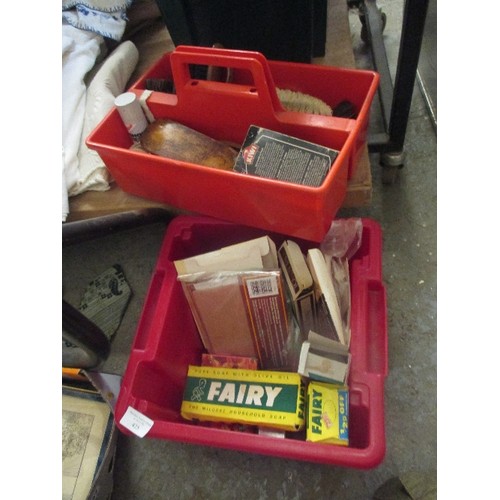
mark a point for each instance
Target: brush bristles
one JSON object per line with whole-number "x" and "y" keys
{"x": 302, "y": 103}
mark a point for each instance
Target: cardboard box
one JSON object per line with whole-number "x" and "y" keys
{"x": 327, "y": 413}
{"x": 219, "y": 361}
{"x": 236, "y": 297}
{"x": 264, "y": 398}
{"x": 230, "y": 362}
{"x": 241, "y": 313}
{"x": 274, "y": 155}
{"x": 324, "y": 360}
{"x": 89, "y": 438}
{"x": 259, "y": 253}
{"x": 328, "y": 316}
{"x": 299, "y": 284}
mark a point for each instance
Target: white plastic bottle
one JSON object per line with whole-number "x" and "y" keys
{"x": 132, "y": 114}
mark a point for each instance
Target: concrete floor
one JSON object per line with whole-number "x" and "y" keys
{"x": 151, "y": 469}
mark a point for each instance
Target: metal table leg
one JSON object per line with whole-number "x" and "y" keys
{"x": 395, "y": 100}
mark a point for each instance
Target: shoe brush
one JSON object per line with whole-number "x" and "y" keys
{"x": 160, "y": 85}
{"x": 292, "y": 100}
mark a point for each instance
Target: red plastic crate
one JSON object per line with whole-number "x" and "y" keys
{"x": 167, "y": 341}
{"x": 224, "y": 111}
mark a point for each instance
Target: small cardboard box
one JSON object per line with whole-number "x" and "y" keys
{"x": 327, "y": 413}
{"x": 328, "y": 314}
{"x": 259, "y": 253}
{"x": 264, "y": 398}
{"x": 299, "y": 284}
{"x": 324, "y": 360}
{"x": 274, "y": 155}
{"x": 221, "y": 361}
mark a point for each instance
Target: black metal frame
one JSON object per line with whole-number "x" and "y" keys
{"x": 395, "y": 99}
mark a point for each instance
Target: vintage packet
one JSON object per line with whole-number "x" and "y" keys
{"x": 327, "y": 413}
{"x": 258, "y": 397}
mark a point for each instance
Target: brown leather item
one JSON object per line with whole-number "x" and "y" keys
{"x": 173, "y": 140}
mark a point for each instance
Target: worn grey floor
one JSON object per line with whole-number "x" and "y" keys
{"x": 149, "y": 469}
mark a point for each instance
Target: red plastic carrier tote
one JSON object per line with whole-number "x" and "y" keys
{"x": 225, "y": 111}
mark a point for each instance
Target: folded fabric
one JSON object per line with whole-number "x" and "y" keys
{"x": 106, "y": 18}
{"x": 85, "y": 25}
{"x": 65, "y": 202}
{"x": 79, "y": 53}
{"x": 109, "y": 81}
{"x": 102, "y": 5}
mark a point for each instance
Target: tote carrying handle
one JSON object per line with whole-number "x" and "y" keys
{"x": 262, "y": 92}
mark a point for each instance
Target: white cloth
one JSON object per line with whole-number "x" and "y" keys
{"x": 79, "y": 53}
{"x": 109, "y": 81}
{"x": 85, "y": 25}
{"x": 107, "y": 18}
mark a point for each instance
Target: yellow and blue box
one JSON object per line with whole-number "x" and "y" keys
{"x": 327, "y": 413}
